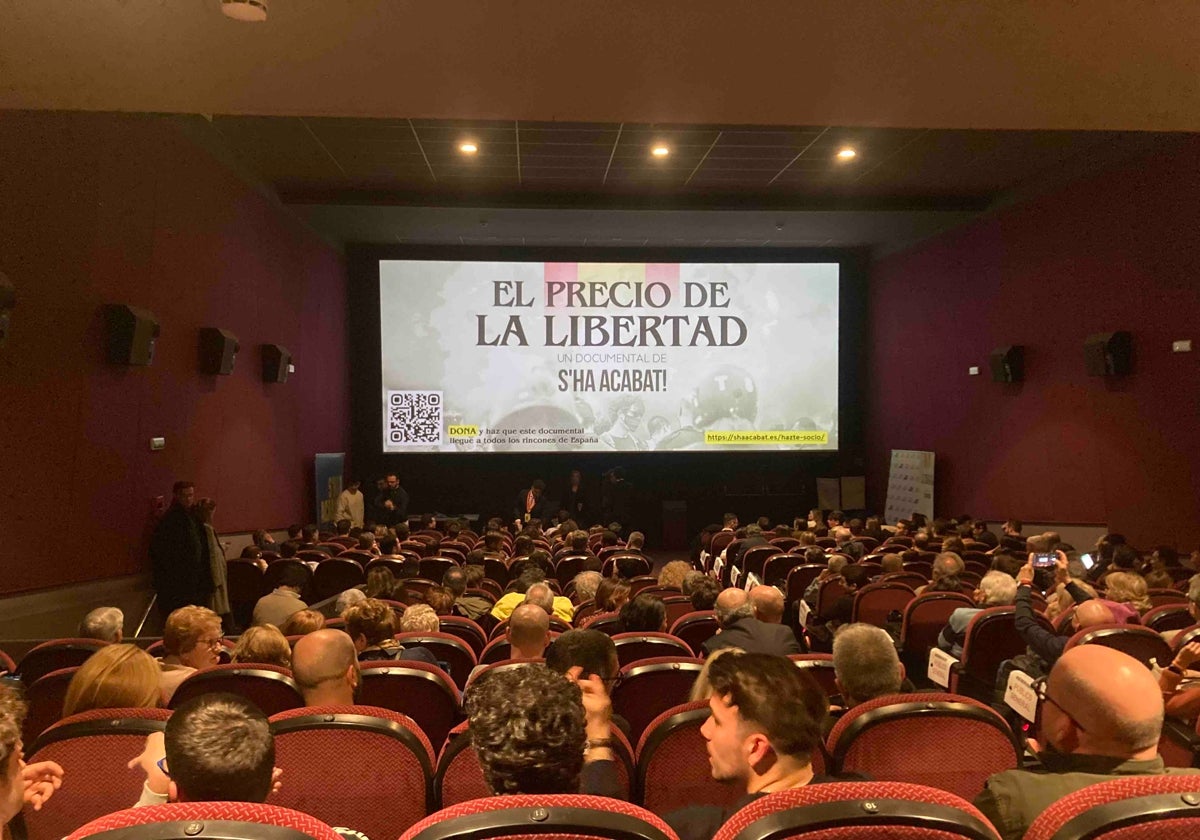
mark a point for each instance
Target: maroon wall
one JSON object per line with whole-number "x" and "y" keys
{"x": 1117, "y": 251}
{"x": 103, "y": 208}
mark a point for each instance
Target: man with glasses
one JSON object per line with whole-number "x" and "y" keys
{"x": 1100, "y": 715}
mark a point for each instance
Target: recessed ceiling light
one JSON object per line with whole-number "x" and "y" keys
{"x": 254, "y": 11}
{"x": 847, "y": 154}
{"x": 468, "y": 148}
{"x": 660, "y": 150}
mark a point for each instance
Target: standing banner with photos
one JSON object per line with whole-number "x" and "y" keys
{"x": 910, "y": 485}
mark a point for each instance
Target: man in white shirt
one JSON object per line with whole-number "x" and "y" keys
{"x": 351, "y": 505}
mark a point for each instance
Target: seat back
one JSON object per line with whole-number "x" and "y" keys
{"x": 522, "y": 817}
{"x": 1186, "y": 636}
{"x": 568, "y": 566}
{"x": 275, "y": 571}
{"x": 445, "y": 648}
{"x": 754, "y": 559}
{"x": 843, "y": 810}
{"x": 919, "y": 738}
{"x": 1142, "y": 643}
{"x": 607, "y": 623}
{"x": 228, "y": 820}
{"x": 435, "y": 568}
{"x": 695, "y": 629}
{"x": 93, "y": 749}
{"x": 315, "y": 744}
{"x": 501, "y": 665}
{"x": 924, "y": 617}
{"x": 828, "y": 593}
{"x": 820, "y": 667}
{"x": 648, "y": 688}
{"x": 991, "y": 638}
{"x": 677, "y": 607}
{"x": 1168, "y": 617}
{"x": 632, "y": 647}
{"x": 423, "y": 692}
{"x": 924, "y": 568}
{"x": 1158, "y": 597}
{"x": 269, "y": 687}
{"x": 45, "y": 698}
{"x": 777, "y": 566}
{"x": 1125, "y": 808}
{"x": 54, "y": 655}
{"x": 244, "y": 583}
{"x": 800, "y": 577}
{"x": 673, "y": 770}
{"x": 335, "y": 575}
{"x": 876, "y": 601}
{"x": 465, "y": 629}
{"x": 393, "y": 565}
{"x": 7, "y": 666}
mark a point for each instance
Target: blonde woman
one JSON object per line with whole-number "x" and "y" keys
{"x": 115, "y": 677}
{"x": 1128, "y": 588}
{"x": 263, "y": 644}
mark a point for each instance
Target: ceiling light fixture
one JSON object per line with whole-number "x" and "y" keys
{"x": 847, "y": 154}
{"x": 251, "y": 11}
{"x": 660, "y": 150}
{"x": 468, "y": 148}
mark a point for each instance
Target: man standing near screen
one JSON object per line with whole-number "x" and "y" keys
{"x": 531, "y": 504}
{"x": 391, "y": 504}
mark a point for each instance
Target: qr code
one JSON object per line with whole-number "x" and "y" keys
{"x": 414, "y": 417}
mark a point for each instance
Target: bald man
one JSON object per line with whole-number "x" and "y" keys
{"x": 325, "y": 666}
{"x": 767, "y": 602}
{"x": 528, "y": 631}
{"x": 740, "y": 629}
{"x": 1047, "y": 645}
{"x": 1101, "y": 716}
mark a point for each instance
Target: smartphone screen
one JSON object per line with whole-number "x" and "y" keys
{"x": 1087, "y": 561}
{"x": 1044, "y": 561}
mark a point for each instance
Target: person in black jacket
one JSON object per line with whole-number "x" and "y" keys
{"x": 740, "y": 629}
{"x": 180, "y": 570}
{"x": 391, "y": 503}
{"x": 575, "y": 500}
{"x": 1046, "y": 645}
{"x": 531, "y": 503}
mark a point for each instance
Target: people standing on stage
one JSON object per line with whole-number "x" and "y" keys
{"x": 616, "y": 497}
{"x": 531, "y": 504}
{"x": 391, "y": 505}
{"x": 575, "y": 499}
{"x": 351, "y": 504}
{"x": 181, "y": 574}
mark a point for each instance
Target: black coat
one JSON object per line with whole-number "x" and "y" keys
{"x": 178, "y": 560}
{"x": 754, "y": 636}
{"x": 399, "y": 498}
{"x": 541, "y": 507}
{"x": 577, "y": 504}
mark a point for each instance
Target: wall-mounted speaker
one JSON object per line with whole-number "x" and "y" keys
{"x": 8, "y": 300}
{"x": 218, "y": 351}
{"x": 132, "y": 334}
{"x": 1109, "y": 354}
{"x": 1008, "y": 363}
{"x": 277, "y": 361}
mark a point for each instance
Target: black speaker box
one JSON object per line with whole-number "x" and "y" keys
{"x": 276, "y": 361}
{"x": 1109, "y": 354}
{"x": 1008, "y": 363}
{"x": 132, "y": 333}
{"x": 8, "y": 300}
{"x": 218, "y": 351}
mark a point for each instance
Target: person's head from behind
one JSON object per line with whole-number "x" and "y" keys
{"x": 528, "y": 631}
{"x": 636, "y": 541}
{"x": 591, "y": 650}
{"x": 1126, "y": 558}
{"x": 1099, "y": 701}
{"x": 104, "y": 623}
{"x": 370, "y": 622}
{"x": 732, "y": 605}
{"x": 455, "y": 580}
{"x": 262, "y": 644}
{"x": 219, "y": 749}
{"x": 892, "y": 563}
{"x": 704, "y": 593}
{"x": 303, "y": 621}
{"x": 629, "y": 566}
{"x": 996, "y": 589}
{"x": 767, "y": 602}
{"x": 644, "y": 614}
{"x": 419, "y": 618}
{"x": 855, "y": 577}
{"x": 586, "y": 584}
{"x": 672, "y": 574}
{"x": 294, "y": 577}
{"x": 12, "y": 788}
{"x": 440, "y": 599}
{"x": 1128, "y": 588}
{"x": 815, "y": 554}
{"x": 325, "y": 667}
{"x": 611, "y": 594}
{"x": 530, "y": 575}
{"x": 947, "y": 564}
{"x": 540, "y": 595}
{"x": 865, "y": 663}
{"x": 765, "y": 717}
{"x": 380, "y": 581}
{"x": 192, "y": 636}
{"x": 348, "y": 599}
{"x": 527, "y": 727}
{"x": 115, "y": 677}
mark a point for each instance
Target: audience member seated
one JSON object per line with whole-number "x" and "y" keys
{"x": 380, "y": 582}
{"x": 701, "y": 589}
{"x": 440, "y": 599}
{"x": 348, "y": 599}
{"x": 22, "y": 784}
{"x": 528, "y": 632}
{"x": 302, "y": 622}
{"x": 371, "y": 625}
{"x": 1127, "y": 589}
{"x": 530, "y": 576}
{"x": 1100, "y": 716}
{"x": 586, "y": 584}
{"x": 276, "y": 606}
{"x": 997, "y": 589}
{"x": 865, "y": 664}
{"x": 612, "y": 594}
{"x": 262, "y": 644}
{"x": 419, "y": 618}
{"x": 104, "y": 623}
{"x": 467, "y": 606}
{"x": 891, "y": 564}
{"x": 1180, "y": 685}
{"x": 325, "y": 667}
{"x": 673, "y": 573}
{"x": 115, "y": 677}
{"x": 627, "y": 567}
{"x": 536, "y": 731}
{"x": 739, "y": 628}
{"x": 767, "y": 602}
{"x": 765, "y": 720}
{"x": 834, "y": 566}
{"x": 1046, "y": 645}
{"x": 747, "y": 538}
{"x": 1009, "y": 564}
{"x": 947, "y": 566}
{"x": 218, "y": 748}
{"x": 192, "y": 640}
{"x": 590, "y": 650}
{"x": 644, "y": 614}
{"x": 1059, "y": 600}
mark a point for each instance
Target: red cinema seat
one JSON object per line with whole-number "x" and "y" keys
{"x": 876, "y": 601}
{"x": 695, "y": 629}
{"x": 55, "y": 655}
{"x": 1128, "y": 808}
{"x": 1168, "y": 617}
{"x": 991, "y": 638}
{"x": 423, "y": 692}
{"x": 269, "y": 687}
{"x": 562, "y": 817}
{"x": 647, "y": 688}
{"x": 632, "y": 647}
{"x": 335, "y": 575}
{"x": 820, "y": 667}
{"x": 445, "y": 648}
{"x": 45, "y": 699}
{"x": 776, "y": 568}
{"x": 225, "y": 820}
{"x": 672, "y": 763}
{"x": 465, "y": 629}
{"x": 1142, "y": 643}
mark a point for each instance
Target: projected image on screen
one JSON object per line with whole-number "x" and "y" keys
{"x": 534, "y": 357}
